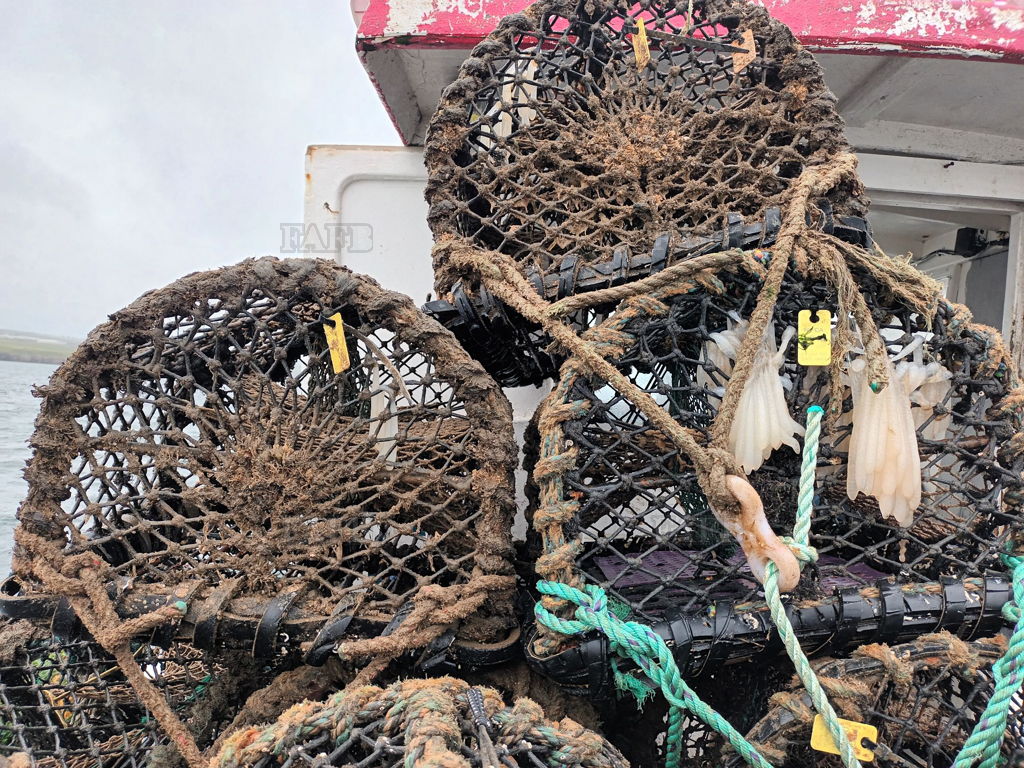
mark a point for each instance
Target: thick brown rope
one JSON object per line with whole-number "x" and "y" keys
{"x": 425, "y": 718}
{"x": 81, "y": 579}
{"x": 503, "y": 278}
{"x": 435, "y": 609}
{"x": 796, "y": 242}
{"x": 667, "y": 277}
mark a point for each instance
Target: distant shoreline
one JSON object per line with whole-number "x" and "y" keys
{"x": 25, "y": 347}
{"x": 38, "y": 361}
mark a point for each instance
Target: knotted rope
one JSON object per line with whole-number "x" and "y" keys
{"x": 805, "y": 553}
{"x": 641, "y": 645}
{"x": 812, "y": 252}
{"x": 428, "y": 722}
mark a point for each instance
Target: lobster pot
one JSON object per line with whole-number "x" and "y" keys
{"x": 617, "y": 504}
{"x": 209, "y": 445}
{"x": 560, "y": 149}
{"x": 925, "y": 698}
{"x": 443, "y": 721}
{"x": 65, "y": 703}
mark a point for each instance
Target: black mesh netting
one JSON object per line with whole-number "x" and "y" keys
{"x": 444, "y": 721}
{"x": 552, "y": 145}
{"x": 553, "y": 149}
{"x": 620, "y": 507}
{"x": 65, "y": 703}
{"x": 925, "y": 699}
{"x": 202, "y": 444}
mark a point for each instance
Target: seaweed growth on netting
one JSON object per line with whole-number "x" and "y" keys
{"x": 443, "y": 721}
{"x": 66, "y": 703}
{"x": 560, "y": 151}
{"x": 925, "y": 698}
{"x": 622, "y": 507}
{"x": 202, "y": 447}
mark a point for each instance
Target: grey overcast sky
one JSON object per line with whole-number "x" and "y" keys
{"x": 140, "y": 141}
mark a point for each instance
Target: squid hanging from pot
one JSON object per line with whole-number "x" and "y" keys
{"x": 929, "y": 385}
{"x": 762, "y": 422}
{"x": 883, "y": 458}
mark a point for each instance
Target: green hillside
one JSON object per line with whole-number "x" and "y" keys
{"x": 27, "y": 347}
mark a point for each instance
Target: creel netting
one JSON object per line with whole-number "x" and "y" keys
{"x": 200, "y": 446}
{"x": 924, "y": 698}
{"x": 553, "y": 149}
{"x": 620, "y": 507}
{"x": 439, "y": 722}
{"x": 64, "y": 703}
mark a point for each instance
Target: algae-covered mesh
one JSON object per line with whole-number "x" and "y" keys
{"x": 554, "y": 146}
{"x": 443, "y": 721}
{"x": 209, "y": 445}
{"x": 916, "y": 484}
{"x": 66, "y": 704}
{"x": 925, "y": 699}
{"x": 561, "y": 150}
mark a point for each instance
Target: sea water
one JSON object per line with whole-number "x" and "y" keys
{"x": 18, "y": 410}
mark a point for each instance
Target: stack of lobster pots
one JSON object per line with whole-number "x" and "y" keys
{"x": 773, "y": 509}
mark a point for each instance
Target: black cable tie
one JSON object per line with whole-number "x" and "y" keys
{"x": 891, "y": 604}
{"x": 721, "y": 625}
{"x": 476, "y": 708}
{"x": 594, "y": 653}
{"x": 164, "y": 635}
{"x": 264, "y": 644}
{"x": 65, "y": 621}
{"x": 204, "y": 633}
{"x": 327, "y": 639}
{"x": 850, "y": 606}
{"x": 567, "y": 277}
{"x": 772, "y": 224}
{"x": 488, "y": 754}
{"x": 680, "y": 638}
{"x": 996, "y": 595}
{"x": 954, "y": 605}
{"x": 436, "y": 652}
{"x": 734, "y": 230}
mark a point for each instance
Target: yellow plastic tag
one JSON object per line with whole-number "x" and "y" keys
{"x": 821, "y": 739}
{"x": 335, "y": 333}
{"x": 814, "y": 337}
{"x": 641, "y": 48}
{"x": 740, "y": 60}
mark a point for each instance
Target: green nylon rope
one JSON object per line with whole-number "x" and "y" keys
{"x": 806, "y": 554}
{"x": 640, "y": 644}
{"x": 986, "y": 740}
{"x": 651, "y": 654}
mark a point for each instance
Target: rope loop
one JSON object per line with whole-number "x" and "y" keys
{"x": 804, "y": 553}
{"x": 644, "y": 647}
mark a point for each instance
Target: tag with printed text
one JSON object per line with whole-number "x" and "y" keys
{"x": 335, "y": 333}
{"x": 814, "y": 337}
{"x": 857, "y": 733}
